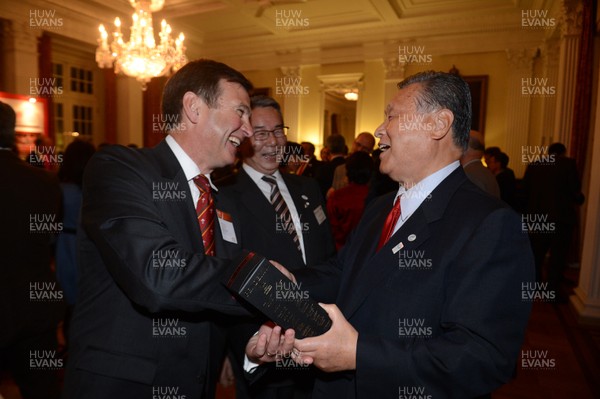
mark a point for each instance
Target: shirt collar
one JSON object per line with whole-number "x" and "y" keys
{"x": 190, "y": 169}
{"x": 414, "y": 196}
{"x": 256, "y": 176}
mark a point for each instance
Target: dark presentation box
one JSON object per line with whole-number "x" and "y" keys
{"x": 259, "y": 283}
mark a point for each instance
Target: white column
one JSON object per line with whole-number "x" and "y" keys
{"x": 394, "y": 74}
{"x": 129, "y": 111}
{"x": 291, "y": 106}
{"x": 570, "y": 27}
{"x": 518, "y": 104}
{"x": 550, "y": 54}
{"x": 586, "y": 300}
{"x": 21, "y": 58}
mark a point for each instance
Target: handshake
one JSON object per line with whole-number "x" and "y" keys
{"x": 328, "y": 340}
{"x": 333, "y": 351}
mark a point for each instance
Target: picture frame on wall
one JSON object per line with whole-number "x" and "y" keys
{"x": 478, "y": 85}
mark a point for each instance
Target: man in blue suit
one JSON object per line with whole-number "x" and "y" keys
{"x": 428, "y": 290}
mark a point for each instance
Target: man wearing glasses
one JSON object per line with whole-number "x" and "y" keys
{"x": 282, "y": 217}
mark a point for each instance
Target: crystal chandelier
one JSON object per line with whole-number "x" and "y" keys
{"x": 140, "y": 57}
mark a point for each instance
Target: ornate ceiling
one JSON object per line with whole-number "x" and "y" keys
{"x": 261, "y": 34}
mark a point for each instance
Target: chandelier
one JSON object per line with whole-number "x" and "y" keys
{"x": 140, "y": 57}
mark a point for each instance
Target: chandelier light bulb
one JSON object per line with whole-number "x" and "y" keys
{"x": 140, "y": 57}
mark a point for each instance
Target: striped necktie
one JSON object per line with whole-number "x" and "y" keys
{"x": 205, "y": 211}
{"x": 282, "y": 211}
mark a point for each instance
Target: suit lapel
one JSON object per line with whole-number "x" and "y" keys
{"x": 371, "y": 271}
{"x": 170, "y": 169}
{"x": 255, "y": 202}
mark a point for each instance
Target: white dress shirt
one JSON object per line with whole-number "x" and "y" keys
{"x": 190, "y": 169}
{"x": 414, "y": 196}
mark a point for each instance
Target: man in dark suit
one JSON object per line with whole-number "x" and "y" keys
{"x": 553, "y": 191}
{"x": 31, "y": 303}
{"x": 152, "y": 248}
{"x": 337, "y": 152}
{"x": 311, "y": 166}
{"x": 507, "y": 183}
{"x": 266, "y": 231}
{"x": 428, "y": 289}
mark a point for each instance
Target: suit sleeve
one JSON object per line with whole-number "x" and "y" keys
{"x": 483, "y": 322}
{"x": 126, "y": 227}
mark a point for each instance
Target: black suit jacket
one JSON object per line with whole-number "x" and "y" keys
{"x": 553, "y": 189}
{"x": 326, "y": 171}
{"x": 255, "y": 217}
{"x": 456, "y": 279}
{"x": 25, "y": 192}
{"x": 147, "y": 292}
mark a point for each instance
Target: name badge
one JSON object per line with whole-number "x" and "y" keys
{"x": 226, "y": 225}
{"x": 319, "y": 214}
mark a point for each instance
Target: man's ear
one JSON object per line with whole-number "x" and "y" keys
{"x": 442, "y": 121}
{"x": 191, "y": 106}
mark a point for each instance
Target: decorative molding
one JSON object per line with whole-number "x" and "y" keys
{"x": 550, "y": 52}
{"x": 521, "y": 58}
{"x": 570, "y": 18}
{"x": 394, "y": 69}
{"x": 290, "y": 72}
{"x": 341, "y": 82}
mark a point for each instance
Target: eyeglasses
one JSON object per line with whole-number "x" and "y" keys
{"x": 262, "y": 135}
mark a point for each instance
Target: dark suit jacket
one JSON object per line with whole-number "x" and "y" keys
{"x": 254, "y": 215}
{"x": 26, "y": 250}
{"x": 553, "y": 189}
{"x": 458, "y": 279}
{"x": 119, "y": 344}
{"x": 326, "y": 172}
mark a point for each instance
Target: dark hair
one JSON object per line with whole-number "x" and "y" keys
{"x": 476, "y": 144}
{"x": 492, "y": 151}
{"x": 202, "y": 77}
{"x": 76, "y": 156}
{"x": 8, "y": 120}
{"x": 262, "y": 101}
{"x": 502, "y": 158}
{"x": 311, "y": 146}
{"x": 293, "y": 150}
{"x": 336, "y": 144}
{"x": 359, "y": 166}
{"x": 557, "y": 148}
{"x": 444, "y": 90}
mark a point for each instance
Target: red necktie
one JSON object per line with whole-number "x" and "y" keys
{"x": 390, "y": 223}
{"x": 205, "y": 210}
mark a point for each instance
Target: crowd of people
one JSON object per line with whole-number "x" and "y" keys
{"x": 147, "y": 235}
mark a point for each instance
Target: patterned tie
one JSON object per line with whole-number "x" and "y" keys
{"x": 205, "y": 209}
{"x": 390, "y": 223}
{"x": 282, "y": 210}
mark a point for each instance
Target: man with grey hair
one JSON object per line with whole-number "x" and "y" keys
{"x": 280, "y": 216}
{"x": 428, "y": 291}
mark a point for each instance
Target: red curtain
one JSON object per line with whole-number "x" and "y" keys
{"x": 583, "y": 89}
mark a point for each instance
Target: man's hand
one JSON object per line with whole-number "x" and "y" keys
{"x": 333, "y": 351}
{"x": 283, "y": 270}
{"x": 269, "y": 344}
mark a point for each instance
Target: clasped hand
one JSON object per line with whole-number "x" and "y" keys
{"x": 333, "y": 351}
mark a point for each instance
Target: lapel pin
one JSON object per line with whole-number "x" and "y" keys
{"x": 398, "y": 247}
{"x": 412, "y": 237}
